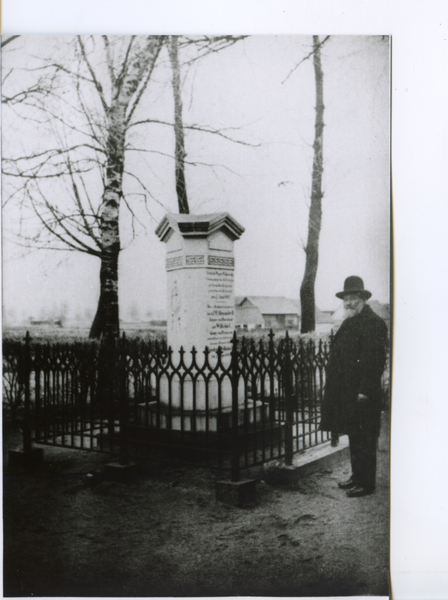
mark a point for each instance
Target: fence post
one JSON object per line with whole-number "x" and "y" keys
{"x": 235, "y": 453}
{"x": 123, "y": 401}
{"x": 271, "y": 336}
{"x": 287, "y": 384}
{"x": 27, "y": 408}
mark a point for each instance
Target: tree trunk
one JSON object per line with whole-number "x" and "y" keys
{"x": 179, "y": 153}
{"x": 107, "y": 317}
{"x": 106, "y": 323}
{"x": 307, "y": 297}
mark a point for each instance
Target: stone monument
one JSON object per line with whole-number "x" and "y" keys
{"x": 200, "y": 270}
{"x": 200, "y": 313}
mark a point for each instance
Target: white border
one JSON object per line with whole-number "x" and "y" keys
{"x": 420, "y": 167}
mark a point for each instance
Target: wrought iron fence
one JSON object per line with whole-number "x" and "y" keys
{"x": 261, "y": 402}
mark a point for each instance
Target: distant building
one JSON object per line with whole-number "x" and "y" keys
{"x": 48, "y": 323}
{"x": 268, "y": 312}
{"x": 324, "y": 321}
{"x": 382, "y": 310}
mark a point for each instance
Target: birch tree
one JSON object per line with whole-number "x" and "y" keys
{"x": 179, "y": 151}
{"x": 83, "y": 122}
{"x": 127, "y": 85}
{"x": 90, "y": 98}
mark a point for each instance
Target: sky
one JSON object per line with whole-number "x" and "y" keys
{"x": 252, "y": 91}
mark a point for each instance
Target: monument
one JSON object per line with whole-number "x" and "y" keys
{"x": 201, "y": 313}
{"x": 200, "y": 268}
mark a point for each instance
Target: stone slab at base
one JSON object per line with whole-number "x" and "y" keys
{"x": 120, "y": 472}
{"x": 158, "y": 415}
{"x": 236, "y": 493}
{"x": 29, "y": 460}
{"x": 314, "y": 459}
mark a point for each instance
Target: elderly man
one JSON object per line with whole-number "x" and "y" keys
{"x": 352, "y": 399}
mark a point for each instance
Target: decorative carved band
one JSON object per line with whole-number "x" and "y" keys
{"x": 197, "y": 259}
{"x": 221, "y": 261}
{"x": 178, "y": 261}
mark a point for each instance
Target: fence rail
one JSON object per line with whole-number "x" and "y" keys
{"x": 231, "y": 412}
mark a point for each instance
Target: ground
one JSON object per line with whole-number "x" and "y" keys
{"x": 69, "y": 534}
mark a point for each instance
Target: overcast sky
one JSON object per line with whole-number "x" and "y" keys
{"x": 265, "y": 186}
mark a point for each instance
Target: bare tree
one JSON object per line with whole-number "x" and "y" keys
{"x": 82, "y": 106}
{"x": 127, "y": 87}
{"x": 179, "y": 153}
{"x": 86, "y": 149}
{"x": 307, "y": 295}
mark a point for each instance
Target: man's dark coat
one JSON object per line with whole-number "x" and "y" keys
{"x": 355, "y": 366}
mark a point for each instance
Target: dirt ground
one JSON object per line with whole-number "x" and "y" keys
{"x": 66, "y": 534}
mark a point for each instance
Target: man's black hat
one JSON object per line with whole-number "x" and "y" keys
{"x": 354, "y": 285}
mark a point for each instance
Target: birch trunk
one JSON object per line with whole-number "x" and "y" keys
{"x": 307, "y": 296}
{"x": 126, "y": 92}
{"x": 179, "y": 153}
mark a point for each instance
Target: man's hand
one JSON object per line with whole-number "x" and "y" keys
{"x": 362, "y": 397}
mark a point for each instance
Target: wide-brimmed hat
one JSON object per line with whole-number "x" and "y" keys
{"x": 354, "y": 285}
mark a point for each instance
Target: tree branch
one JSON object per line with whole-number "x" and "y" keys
{"x": 306, "y": 57}
{"x": 98, "y": 86}
{"x": 9, "y": 40}
{"x": 159, "y": 44}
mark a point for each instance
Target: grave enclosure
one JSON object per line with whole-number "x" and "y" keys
{"x": 209, "y": 398}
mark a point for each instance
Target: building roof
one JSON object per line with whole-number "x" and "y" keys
{"x": 271, "y": 305}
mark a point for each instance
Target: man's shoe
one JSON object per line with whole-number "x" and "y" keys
{"x": 358, "y": 491}
{"x": 346, "y": 485}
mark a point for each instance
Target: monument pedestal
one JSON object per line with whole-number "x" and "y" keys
{"x": 157, "y": 415}
{"x": 200, "y": 313}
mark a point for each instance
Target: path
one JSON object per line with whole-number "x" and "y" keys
{"x": 166, "y": 535}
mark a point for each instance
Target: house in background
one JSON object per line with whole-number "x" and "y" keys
{"x": 324, "y": 321}
{"x": 382, "y": 310}
{"x": 267, "y": 312}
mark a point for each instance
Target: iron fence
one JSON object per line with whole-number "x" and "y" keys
{"x": 261, "y": 402}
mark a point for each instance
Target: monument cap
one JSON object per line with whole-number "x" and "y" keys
{"x": 199, "y": 225}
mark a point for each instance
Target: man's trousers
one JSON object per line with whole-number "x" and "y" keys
{"x": 363, "y": 448}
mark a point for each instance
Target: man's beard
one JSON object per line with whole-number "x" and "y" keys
{"x": 349, "y": 313}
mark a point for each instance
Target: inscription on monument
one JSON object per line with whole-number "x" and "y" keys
{"x": 220, "y": 309}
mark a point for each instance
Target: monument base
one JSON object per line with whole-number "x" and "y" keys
{"x": 160, "y": 416}
{"x": 236, "y": 493}
{"x": 120, "y": 472}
